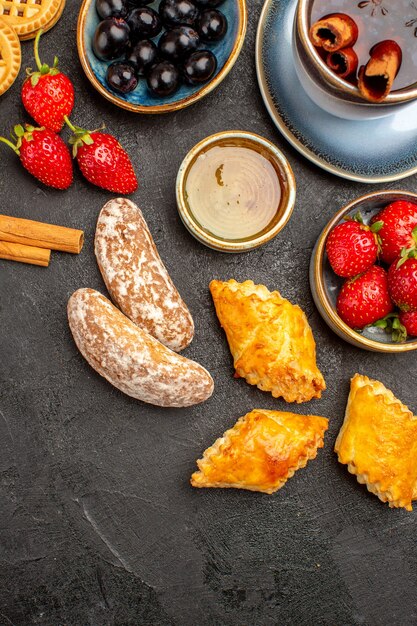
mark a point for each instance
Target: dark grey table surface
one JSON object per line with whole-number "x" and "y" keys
{"x": 98, "y": 522}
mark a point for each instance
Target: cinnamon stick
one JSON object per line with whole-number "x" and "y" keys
{"x": 24, "y": 254}
{"x": 334, "y": 32}
{"x": 40, "y": 235}
{"x": 377, "y": 76}
{"x": 343, "y": 62}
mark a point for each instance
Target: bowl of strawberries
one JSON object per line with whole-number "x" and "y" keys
{"x": 363, "y": 272}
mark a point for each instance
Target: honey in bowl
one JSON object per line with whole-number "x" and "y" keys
{"x": 379, "y": 20}
{"x": 233, "y": 190}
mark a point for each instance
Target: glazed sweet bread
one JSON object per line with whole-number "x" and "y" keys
{"x": 261, "y": 451}
{"x": 270, "y": 340}
{"x": 136, "y": 277}
{"x": 378, "y": 442}
{"x": 130, "y": 358}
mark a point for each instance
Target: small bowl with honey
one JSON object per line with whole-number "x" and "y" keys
{"x": 235, "y": 191}
{"x": 356, "y": 60}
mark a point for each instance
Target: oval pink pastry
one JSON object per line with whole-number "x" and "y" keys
{"x": 130, "y": 358}
{"x": 136, "y": 278}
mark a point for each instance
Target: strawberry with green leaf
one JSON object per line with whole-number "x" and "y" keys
{"x": 402, "y": 280}
{"x": 102, "y": 160}
{"x": 47, "y": 94}
{"x": 43, "y": 154}
{"x": 352, "y": 247}
{"x": 398, "y": 229}
{"x": 364, "y": 299}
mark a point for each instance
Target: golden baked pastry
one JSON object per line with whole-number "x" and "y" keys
{"x": 261, "y": 451}
{"x": 10, "y": 56}
{"x": 378, "y": 442}
{"x": 27, "y": 17}
{"x": 270, "y": 340}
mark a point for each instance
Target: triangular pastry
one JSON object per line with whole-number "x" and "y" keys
{"x": 270, "y": 340}
{"x": 378, "y": 442}
{"x": 261, "y": 451}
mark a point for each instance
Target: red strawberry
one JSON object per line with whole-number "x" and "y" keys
{"x": 47, "y": 95}
{"x": 402, "y": 282}
{"x": 409, "y": 321}
{"x": 102, "y": 160}
{"x": 398, "y": 231}
{"x": 364, "y": 299}
{"x": 352, "y": 247}
{"x": 44, "y": 155}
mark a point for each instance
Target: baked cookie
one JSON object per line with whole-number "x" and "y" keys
{"x": 261, "y": 451}
{"x": 28, "y": 16}
{"x": 270, "y": 340}
{"x": 48, "y": 25}
{"x": 378, "y": 442}
{"x": 10, "y": 56}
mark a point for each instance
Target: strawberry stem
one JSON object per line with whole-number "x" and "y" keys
{"x": 10, "y": 144}
{"x": 68, "y": 123}
{"x": 392, "y": 326}
{"x": 376, "y": 226}
{"x": 36, "y": 49}
{"x": 358, "y": 217}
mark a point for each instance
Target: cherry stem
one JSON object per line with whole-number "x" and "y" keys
{"x": 10, "y": 144}
{"x": 36, "y": 48}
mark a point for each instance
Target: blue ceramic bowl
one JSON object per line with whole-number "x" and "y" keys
{"x": 141, "y": 100}
{"x": 325, "y": 284}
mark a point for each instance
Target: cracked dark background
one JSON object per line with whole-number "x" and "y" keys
{"x": 98, "y": 523}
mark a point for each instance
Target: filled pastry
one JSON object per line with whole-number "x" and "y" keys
{"x": 378, "y": 442}
{"x": 261, "y": 451}
{"x": 270, "y": 340}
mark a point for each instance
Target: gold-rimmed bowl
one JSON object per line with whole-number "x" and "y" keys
{"x": 141, "y": 100}
{"x": 325, "y": 285}
{"x": 286, "y": 180}
{"x": 320, "y": 81}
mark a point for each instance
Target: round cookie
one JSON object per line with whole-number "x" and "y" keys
{"x": 28, "y": 16}
{"x": 10, "y": 56}
{"x": 47, "y": 26}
